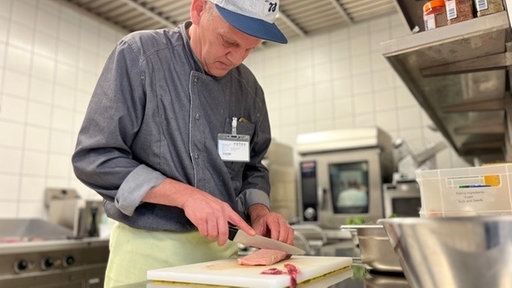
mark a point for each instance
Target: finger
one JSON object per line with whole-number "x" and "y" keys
{"x": 236, "y": 220}
{"x": 212, "y": 228}
{"x": 291, "y": 236}
{"x": 222, "y": 227}
{"x": 288, "y": 234}
{"x": 283, "y": 231}
{"x": 280, "y": 229}
{"x": 275, "y": 227}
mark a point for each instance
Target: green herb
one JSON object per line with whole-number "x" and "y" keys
{"x": 354, "y": 221}
{"x": 358, "y": 272}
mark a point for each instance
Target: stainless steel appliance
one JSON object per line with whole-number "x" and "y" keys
{"x": 375, "y": 247}
{"x": 402, "y": 199}
{"x": 67, "y": 209}
{"x": 280, "y": 161}
{"x": 62, "y": 205}
{"x": 453, "y": 251}
{"x": 35, "y": 253}
{"x": 341, "y": 175}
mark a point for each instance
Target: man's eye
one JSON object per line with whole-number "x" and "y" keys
{"x": 229, "y": 44}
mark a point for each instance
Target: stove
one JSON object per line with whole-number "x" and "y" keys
{"x": 56, "y": 263}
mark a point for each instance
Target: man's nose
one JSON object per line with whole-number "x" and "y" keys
{"x": 237, "y": 56}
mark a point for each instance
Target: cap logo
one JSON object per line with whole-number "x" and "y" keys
{"x": 253, "y": 17}
{"x": 272, "y": 7}
{"x": 265, "y": 10}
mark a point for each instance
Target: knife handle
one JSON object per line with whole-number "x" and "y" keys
{"x": 232, "y": 232}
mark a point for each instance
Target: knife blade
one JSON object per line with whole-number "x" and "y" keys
{"x": 258, "y": 241}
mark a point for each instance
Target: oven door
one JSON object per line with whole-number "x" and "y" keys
{"x": 402, "y": 199}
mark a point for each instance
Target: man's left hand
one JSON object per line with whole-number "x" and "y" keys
{"x": 270, "y": 224}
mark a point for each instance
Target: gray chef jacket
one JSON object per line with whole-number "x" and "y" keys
{"x": 154, "y": 114}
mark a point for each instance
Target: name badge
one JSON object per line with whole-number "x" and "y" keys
{"x": 233, "y": 147}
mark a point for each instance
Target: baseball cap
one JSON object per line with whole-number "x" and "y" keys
{"x": 253, "y": 17}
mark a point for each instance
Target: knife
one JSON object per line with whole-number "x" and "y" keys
{"x": 258, "y": 241}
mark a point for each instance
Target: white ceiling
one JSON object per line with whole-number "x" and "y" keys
{"x": 298, "y": 18}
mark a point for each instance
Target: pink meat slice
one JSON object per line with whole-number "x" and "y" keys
{"x": 293, "y": 271}
{"x": 263, "y": 257}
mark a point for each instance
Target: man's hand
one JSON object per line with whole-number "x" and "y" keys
{"x": 209, "y": 214}
{"x": 270, "y": 224}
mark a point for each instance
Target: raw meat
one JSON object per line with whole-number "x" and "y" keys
{"x": 292, "y": 271}
{"x": 273, "y": 271}
{"x": 263, "y": 257}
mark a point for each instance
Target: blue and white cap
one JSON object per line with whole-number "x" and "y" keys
{"x": 253, "y": 17}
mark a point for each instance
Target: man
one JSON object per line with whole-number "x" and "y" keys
{"x": 174, "y": 137}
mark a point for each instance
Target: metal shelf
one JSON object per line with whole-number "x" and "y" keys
{"x": 451, "y": 65}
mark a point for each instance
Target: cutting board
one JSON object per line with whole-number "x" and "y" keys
{"x": 228, "y": 273}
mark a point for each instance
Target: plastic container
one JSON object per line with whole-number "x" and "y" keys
{"x": 458, "y": 10}
{"x": 486, "y": 7}
{"x": 434, "y": 14}
{"x": 473, "y": 191}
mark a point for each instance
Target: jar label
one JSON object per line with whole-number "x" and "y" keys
{"x": 481, "y": 5}
{"x": 430, "y": 22}
{"x": 451, "y": 9}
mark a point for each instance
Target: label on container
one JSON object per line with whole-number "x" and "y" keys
{"x": 430, "y": 22}
{"x": 451, "y": 9}
{"x": 470, "y": 182}
{"x": 481, "y": 5}
{"x": 476, "y": 193}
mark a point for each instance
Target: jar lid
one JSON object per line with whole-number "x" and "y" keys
{"x": 433, "y": 4}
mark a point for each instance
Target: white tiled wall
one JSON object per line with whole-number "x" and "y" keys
{"x": 51, "y": 56}
{"x": 339, "y": 79}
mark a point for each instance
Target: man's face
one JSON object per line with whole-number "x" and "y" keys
{"x": 219, "y": 46}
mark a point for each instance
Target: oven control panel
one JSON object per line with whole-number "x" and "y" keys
{"x": 52, "y": 260}
{"x": 39, "y": 264}
{"x": 31, "y": 262}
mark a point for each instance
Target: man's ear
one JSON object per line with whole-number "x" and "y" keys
{"x": 196, "y": 10}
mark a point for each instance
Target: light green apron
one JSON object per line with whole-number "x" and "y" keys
{"x": 134, "y": 251}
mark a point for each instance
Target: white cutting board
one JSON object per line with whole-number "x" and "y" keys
{"x": 228, "y": 273}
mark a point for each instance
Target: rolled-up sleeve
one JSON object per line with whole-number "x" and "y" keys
{"x": 132, "y": 190}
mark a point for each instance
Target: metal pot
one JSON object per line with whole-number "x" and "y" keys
{"x": 453, "y": 252}
{"x": 375, "y": 247}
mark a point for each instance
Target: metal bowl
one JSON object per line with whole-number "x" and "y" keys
{"x": 375, "y": 247}
{"x": 453, "y": 252}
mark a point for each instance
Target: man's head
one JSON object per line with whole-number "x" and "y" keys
{"x": 224, "y": 32}
{"x": 253, "y": 17}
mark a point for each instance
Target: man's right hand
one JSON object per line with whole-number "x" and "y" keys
{"x": 209, "y": 214}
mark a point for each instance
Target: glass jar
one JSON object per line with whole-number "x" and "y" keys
{"x": 434, "y": 14}
{"x": 486, "y": 7}
{"x": 458, "y": 10}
